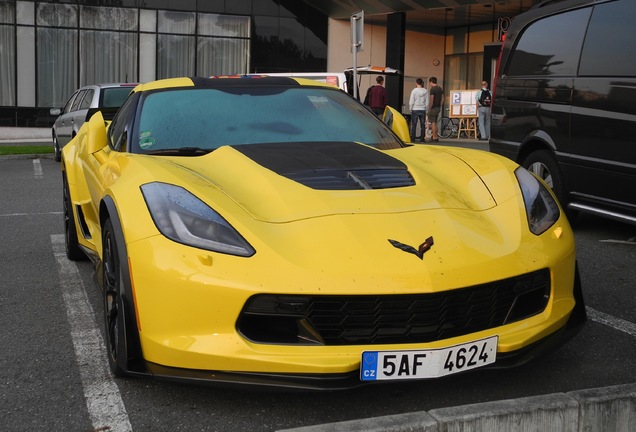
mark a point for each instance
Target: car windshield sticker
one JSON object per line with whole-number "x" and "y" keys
{"x": 145, "y": 141}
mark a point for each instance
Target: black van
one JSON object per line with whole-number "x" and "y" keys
{"x": 565, "y": 102}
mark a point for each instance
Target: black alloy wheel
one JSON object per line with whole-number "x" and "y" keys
{"x": 113, "y": 305}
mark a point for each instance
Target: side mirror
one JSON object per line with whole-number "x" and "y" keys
{"x": 397, "y": 123}
{"x": 96, "y": 138}
{"x": 55, "y": 111}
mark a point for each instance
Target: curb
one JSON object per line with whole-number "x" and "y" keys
{"x": 605, "y": 409}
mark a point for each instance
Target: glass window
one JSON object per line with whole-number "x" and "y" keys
{"x": 265, "y": 45}
{"x": 609, "y": 49}
{"x": 7, "y": 65}
{"x": 110, "y": 18}
{"x": 69, "y": 104}
{"x": 212, "y": 5}
{"x": 118, "y": 132}
{"x": 87, "y": 99}
{"x": 265, "y": 7}
{"x": 475, "y": 71}
{"x": 25, "y": 13}
{"x": 186, "y": 5}
{"x": 315, "y": 53}
{"x": 56, "y": 15}
{"x": 176, "y": 22}
{"x": 57, "y": 65}
{"x": 456, "y": 68}
{"x": 292, "y": 38}
{"x": 7, "y": 13}
{"x": 239, "y": 7}
{"x": 115, "y": 96}
{"x": 175, "y": 56}
{"x": 546, "y": 48}
{"x": 148, "y": 20}
{"x": 222, "y": 56}
{"x": 479, "y": 36}
{"x": 224, "y": 25}
{"x": 108, "y": 57}
{"x": 78, "y": 100}
{"x": 456, "y": 40}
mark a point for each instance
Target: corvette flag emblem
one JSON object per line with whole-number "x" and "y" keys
{"x": 419, "y": 252}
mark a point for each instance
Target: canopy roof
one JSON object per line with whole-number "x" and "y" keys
{"x": 426, "y": 13}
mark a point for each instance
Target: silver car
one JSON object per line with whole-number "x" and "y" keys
{"x": 81, "y": 105}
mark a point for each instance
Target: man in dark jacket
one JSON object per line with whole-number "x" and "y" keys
{"x": 377, "y": 98}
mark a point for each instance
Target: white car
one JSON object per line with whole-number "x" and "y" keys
{"x": 81, "y": 105}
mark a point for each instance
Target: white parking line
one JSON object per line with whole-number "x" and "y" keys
{"x": 631, "y": 241}
{"x": 608, "y": 320}
{"x": 29, "y": 214}
{"x": 103, "y": 400}
{"x": 37, "y": 169}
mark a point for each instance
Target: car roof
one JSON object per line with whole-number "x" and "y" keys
{"x": 108, "y": 85}
{"x": 229, "y": 81}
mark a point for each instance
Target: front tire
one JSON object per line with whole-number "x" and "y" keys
{"x": 113, "y": 304}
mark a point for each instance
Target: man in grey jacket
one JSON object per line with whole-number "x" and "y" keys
{"x": 417, "y": 105}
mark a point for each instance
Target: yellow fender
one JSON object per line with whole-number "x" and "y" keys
{"x": 397, "y": 123}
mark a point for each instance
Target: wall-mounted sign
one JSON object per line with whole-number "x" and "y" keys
{"x": 463, "y": 103}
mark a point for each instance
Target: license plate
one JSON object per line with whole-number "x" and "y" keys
{"x": 433, "y": 363}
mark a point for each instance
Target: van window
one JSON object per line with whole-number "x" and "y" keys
{"x": 609, "y": 49}
{"x": 551, "y": 46}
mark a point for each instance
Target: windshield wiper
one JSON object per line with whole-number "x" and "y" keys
{"x": 181, "y": 151}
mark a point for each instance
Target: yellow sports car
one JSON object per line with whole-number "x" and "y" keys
{"x": 273, "y": 231}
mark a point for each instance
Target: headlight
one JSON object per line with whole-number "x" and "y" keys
{"x": 186, "y": 219}
{"x": 541, "y": 208}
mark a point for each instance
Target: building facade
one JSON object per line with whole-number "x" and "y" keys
{"x": 50, "y": 48}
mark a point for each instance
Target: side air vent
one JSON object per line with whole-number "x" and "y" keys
{"x": 359, "y": 179}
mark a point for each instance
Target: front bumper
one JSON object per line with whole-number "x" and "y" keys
{"x": 343, "y": 381}
{"x": 352, "y": 380}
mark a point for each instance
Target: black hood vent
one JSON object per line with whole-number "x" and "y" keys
{"x": 331, "y": 165}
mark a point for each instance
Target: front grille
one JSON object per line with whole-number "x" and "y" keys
{"x": 393, "y": 319}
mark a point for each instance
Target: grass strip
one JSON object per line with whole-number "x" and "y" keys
{"x": 16, "y": 150}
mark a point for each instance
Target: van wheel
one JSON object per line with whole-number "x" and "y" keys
{"x": 544, "y": 165}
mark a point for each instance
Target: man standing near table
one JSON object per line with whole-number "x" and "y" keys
{"x": 436, "y": 101}
{"x": 483, "y": 111}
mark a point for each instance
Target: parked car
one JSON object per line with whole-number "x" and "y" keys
{"x": 275, "y": 232}
{"x": 343, "y": 80}
{"x": 567, "y": 100}
{"x": 81, "y": 105}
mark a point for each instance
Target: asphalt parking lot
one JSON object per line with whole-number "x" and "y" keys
{"x": 51, "y": 381}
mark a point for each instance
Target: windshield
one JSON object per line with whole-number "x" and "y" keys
{"x": 208, "y": 118}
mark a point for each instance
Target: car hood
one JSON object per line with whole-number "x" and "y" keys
{"x": 286, "y": 182}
